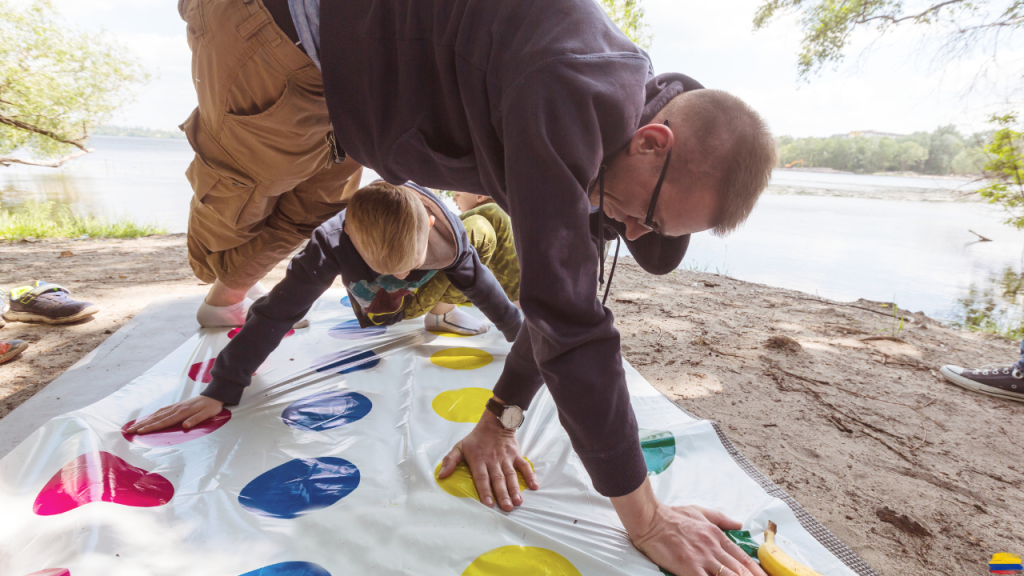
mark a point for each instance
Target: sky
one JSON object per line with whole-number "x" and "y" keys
{"x": 894, "y": 84}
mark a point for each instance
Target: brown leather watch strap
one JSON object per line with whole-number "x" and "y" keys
{"x": 495, "y": 407}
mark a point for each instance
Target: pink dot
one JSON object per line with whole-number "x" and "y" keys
{"x": 203, "y": 368}
{"x": 101, "y": 477}
{"x": 234, "y": 332}
{"x": 176, "y": 434}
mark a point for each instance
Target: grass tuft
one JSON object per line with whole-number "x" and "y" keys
{"x": 47, "y": 220}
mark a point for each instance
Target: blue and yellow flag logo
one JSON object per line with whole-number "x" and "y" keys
{"x": 1003, "y": 563}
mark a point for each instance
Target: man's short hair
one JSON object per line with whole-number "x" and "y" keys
{"x": 738, "y": 150}
{"x": 390, "y": 226}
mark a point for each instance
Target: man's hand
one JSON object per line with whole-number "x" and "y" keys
{"x": 188, "y": 413}
{"x": 492, "y": 454}
{"x": 685, "y": 540}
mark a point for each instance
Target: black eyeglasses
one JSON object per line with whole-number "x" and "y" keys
{"x": 649, "y": 223}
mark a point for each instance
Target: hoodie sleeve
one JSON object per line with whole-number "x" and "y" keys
{"x": 469, "y": 275}
{"x": 554, "y": 129}
{"x": 309, "y": 275}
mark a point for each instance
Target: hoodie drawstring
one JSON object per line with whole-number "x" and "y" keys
{"x": 600, "y": 239}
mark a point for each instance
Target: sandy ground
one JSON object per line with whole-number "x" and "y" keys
{"x": 122, "y": 276}
{"x": 834, "y": 403}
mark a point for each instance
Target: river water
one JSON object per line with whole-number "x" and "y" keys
{"x": 918, "y": 254}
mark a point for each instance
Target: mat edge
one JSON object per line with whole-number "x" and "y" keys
{"x": 815, "y": 528}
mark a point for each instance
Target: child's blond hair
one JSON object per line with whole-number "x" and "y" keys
{"x": 389, "y": 225}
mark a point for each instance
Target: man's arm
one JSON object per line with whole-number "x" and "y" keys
{"x": 554, "y": 147}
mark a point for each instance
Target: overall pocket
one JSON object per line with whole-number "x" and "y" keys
{"x": 285, "y": 141}
{"x": 221, "y": 187}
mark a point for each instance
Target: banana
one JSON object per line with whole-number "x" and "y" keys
{"x": 776, "y": 562}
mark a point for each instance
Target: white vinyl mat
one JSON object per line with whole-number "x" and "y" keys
{"x": 327, "y": 467}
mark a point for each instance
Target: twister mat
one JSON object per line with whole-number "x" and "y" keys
{"x": 327, "y": 467}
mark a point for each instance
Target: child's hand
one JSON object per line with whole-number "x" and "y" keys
{"x": 188, "y": 413}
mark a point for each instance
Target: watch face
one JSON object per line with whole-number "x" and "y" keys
{"x": 512, "y": 417}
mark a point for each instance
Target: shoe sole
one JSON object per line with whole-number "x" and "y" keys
{"x": 14, "y": 316}
{"x": 980, "y": 388}
{"x": 13, "y": 353}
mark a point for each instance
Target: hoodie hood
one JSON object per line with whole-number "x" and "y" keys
{"x": 662, "y": 89}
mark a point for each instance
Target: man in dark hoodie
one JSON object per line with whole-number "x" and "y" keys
{"x": 545, "y": 106}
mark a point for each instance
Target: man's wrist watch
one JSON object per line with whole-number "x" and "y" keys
{"x": 509, "y": 416}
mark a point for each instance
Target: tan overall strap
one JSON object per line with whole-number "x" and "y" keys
{"x": 257, "y": 21}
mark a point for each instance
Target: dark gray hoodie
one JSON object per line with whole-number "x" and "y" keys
{"x": 521, "y": 100}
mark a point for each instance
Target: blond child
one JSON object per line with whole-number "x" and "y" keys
{"x": 388, "y": 244}
{"x": 490, "y": 232}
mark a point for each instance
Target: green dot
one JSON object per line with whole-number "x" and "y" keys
{"x": 659, "y": 449}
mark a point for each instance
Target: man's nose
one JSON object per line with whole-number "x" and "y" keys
{"x": 634, "y": 229}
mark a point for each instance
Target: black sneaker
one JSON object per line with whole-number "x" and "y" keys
{"x": 50, "y": 303}
{"x": 10, "y": 349}
{"x": 999, "y": 381}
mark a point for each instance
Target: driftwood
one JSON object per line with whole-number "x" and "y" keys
{"x": 982, "y": 238}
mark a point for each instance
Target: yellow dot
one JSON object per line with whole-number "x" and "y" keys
{"x": 460, "y": 483}
{"x": 462, "y": 405}
{"x": 521, "y": 561}
{"x": 450, "y": 334}
{"x": 461, "y": 358}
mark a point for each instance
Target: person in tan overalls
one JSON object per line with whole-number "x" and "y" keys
{"x": 266, "y": 171}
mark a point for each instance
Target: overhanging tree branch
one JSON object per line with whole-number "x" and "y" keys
{"x": 1011, "y": 22}
{"x": 895, "y": 20}
{"x": 43, "y": 132}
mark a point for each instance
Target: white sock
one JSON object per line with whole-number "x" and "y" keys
{"x": 223, "y": 316}
{"x": 256, "y": 292}
{"x": 455, "y": 321}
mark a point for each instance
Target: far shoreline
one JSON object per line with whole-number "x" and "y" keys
{"x": 908, "y": 174}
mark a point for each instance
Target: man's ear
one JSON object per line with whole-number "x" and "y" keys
{"x": 652, "y": 138}
{"x": 430, "y": 220}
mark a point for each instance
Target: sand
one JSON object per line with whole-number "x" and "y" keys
{"x": 844, "y": 411}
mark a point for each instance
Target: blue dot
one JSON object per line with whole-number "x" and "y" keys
{"x": 290, "y": 569}
{"x": 346, "y": 362}
{"x": 350, "y": 330}
{"x": 299, "y": 487}
{"x": 326, "y": 410}
{"x": 346, "y": 302}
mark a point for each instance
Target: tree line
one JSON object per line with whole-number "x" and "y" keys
{"x": 941, "y": 152}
